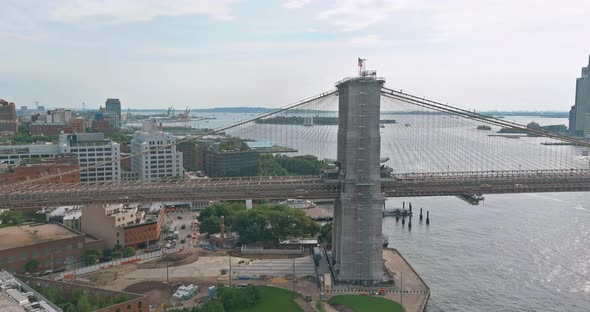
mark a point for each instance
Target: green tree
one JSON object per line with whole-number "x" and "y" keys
{"x": 211, "y": 224}
{"x": 280, "y": 165}
{"x": 128, "y": 252}
{"x": 326, "y": 232}
{"x": 273, "y": 223}
{"x": 92, "y": 251}
{"x": 117, "y": 254}
{"x": 533, "y": 125}
{"x": 12, "y": 217}
{"x": 84, "y": 305}
{"x": 90, "y": 256}
{"x": 212, "y": 306}
{"x": 90, "y": 259}
{"x": 32, "y": 266}
{"x": 107, "y": 253}
{"x": 210, "y": 217}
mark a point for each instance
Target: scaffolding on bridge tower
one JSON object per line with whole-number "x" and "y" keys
{"x": 357, "y": 237}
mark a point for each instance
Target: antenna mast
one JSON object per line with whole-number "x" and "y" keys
{"x": 361, "y": 66}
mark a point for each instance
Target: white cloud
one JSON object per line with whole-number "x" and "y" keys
{"x": 295, "y": 4}
{"x": 136, "y": 10}
{"x": 353, "y": 15}
{"x": 461, "y": 19}
{"x": 367, "y": 40}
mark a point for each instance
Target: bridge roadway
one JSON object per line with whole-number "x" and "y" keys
{"x": 306, "y": 187}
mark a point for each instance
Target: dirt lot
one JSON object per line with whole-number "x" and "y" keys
{"x": 178, "y": 259}
{"x": 156, "y": 292}
{"x": 110, "y": 276}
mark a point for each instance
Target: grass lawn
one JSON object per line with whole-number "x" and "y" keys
{"x": 274, "y": 299}
{"x": 360, "y": 303}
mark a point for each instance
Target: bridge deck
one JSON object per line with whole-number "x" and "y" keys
{"x": 400, "y": 185}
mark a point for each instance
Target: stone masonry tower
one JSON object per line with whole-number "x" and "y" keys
{"x": 357, "y": 238}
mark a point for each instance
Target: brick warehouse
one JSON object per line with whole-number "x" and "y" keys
{"x": 52, "y": 245}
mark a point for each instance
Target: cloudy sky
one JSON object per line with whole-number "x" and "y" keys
{"x": 484, "y": 54}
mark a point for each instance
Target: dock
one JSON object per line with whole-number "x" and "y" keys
{"x": 397, "y": 213}
{"x": 472, "y": 199}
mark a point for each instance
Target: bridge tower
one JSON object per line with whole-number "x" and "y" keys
{"x": 357, "y": 237}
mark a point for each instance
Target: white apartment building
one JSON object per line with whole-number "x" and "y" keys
{"x": 158, "y": 158}
{"x": 12, "y": 154}
{"x": 93, "y": 150}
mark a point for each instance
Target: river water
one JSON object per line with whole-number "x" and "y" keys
{"x": 517, "y": 252}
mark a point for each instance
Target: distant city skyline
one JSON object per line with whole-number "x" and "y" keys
{"x": 494, "y": 55}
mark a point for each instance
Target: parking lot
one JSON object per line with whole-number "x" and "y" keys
{"x": 182, "y": 221}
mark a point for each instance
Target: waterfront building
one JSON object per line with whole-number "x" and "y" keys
{"x": 156, "y": 156}
{"x": 64, "y": 169}
{"x": 52, "y": 245}
{"x": 12, "y": 154}
{"x": 122, "y": 224}
{"x": 99, "y": 158}
{"x": 572, "y": 118}
{"x": 113, "y": 106}
{"x": 222, "y": 160}
{"x": 190, "y": 159}
{"x": 8, "y": 119}
{"x": 578, "y": 114}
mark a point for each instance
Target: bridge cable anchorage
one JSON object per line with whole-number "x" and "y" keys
{"x": 12, "y": 186}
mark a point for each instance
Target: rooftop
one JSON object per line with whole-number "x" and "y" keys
{"x": 22, "y": 235}
{"x": 7, "y": 305}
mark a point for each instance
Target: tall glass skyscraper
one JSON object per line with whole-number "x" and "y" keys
{"x": 580, "y": 112}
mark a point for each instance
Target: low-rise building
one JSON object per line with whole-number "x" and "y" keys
{"x": 63, "y": 169}
{"x": 51, "y": 245}
{"x": 75, "y": 125}
{"x": 122, "y": 224}
{"x": 59, "y": 115}
{"x": 12, "y": 154}
{"x": 145, "y": 232}
{"x": 73, "y": 219}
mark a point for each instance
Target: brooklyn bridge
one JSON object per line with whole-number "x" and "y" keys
{"x": 388, "y": 144}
